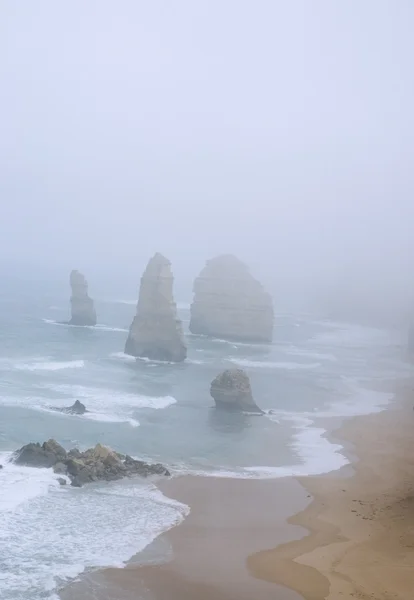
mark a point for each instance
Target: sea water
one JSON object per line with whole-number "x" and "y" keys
{"x": 160, "y": 412}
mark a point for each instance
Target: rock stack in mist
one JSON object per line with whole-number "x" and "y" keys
{"x": 156, "y": 332}
{"x": 231, "y": 390}
{"x": 230, "y": 303}
{"x": 82, "y": 307}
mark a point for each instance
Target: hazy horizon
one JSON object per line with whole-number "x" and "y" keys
{"x": 279, "y": 132}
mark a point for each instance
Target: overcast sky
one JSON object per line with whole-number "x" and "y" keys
{"x": 281, "y": 131}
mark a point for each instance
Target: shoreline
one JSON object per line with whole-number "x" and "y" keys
{"x": 282, "y": 538}
{"x": 229, "y": 519}
{"x": 360, "y": 541}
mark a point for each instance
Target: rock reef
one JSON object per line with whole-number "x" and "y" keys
{"x": 96, "y": 464}
{"x": 82, "y": 306}
{"x": 231, "y": 390}
{"x": 230, "y": 303}
{"x": 77, "y": 408}
{"x": 156, "y": 332}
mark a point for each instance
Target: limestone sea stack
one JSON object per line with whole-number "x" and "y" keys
{"x": 231, "y": 390}
{"x": 82, "y": 306}
{"x": 230, "y": 303}
{"x": 156, "y": 332}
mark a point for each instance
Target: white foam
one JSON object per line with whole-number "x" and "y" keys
{"x": 98, "y": 327}
{"x": 152, "y": 361}
{"x": 20, "y": 484}
{"x": 110, "y": 418}
{"x": 50, "y": 365}
{"x": 92, "y": 416}
{"x": 58, "y": 535}
{"x": 316, "y": 454}
{"x": 104, "y": 405}
{"x": 233, "y": 343}
{"x": 291, "y": 366}
{"x": 106, "y": 400}
{"x": 129, "y": 302}
{"x": 311, "y": 354}
{"x": 122, "y": 356}
{"x": 109, "y": 328}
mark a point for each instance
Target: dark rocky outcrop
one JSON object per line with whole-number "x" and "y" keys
{"x": 96, "y": 464}
{"x": 231, "y": 390}
{"x": 230, "y": 303}
{"x": 45, "y": 455}
{"x": 77, "y": 408}
{"x": 156, "y": 332}
{"x": 82, "y": 306}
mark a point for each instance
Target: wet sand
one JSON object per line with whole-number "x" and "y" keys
{"x": 229, "y": 519}
{"x": 361, "y": 541}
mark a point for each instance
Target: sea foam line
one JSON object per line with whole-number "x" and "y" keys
{"x": 290, "y": 366}
{"x": 100, "y": 397}
{"x": 317, "y": 454}
{"x": 80, "y": 530}
{"x": 98, "y": 327}
{"x": 20, "y": 484}
{"x": 50, "y": 365}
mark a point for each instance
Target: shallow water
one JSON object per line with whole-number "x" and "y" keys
{"x": 314, "y": 370}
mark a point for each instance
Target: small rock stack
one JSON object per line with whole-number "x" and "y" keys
{"x": 82, "y": 306}
{"x": 231, "y": 390}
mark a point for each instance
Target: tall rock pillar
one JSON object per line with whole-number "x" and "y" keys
{"x": 156, "y": 332}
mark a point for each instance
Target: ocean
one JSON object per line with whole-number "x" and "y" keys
{"x": 315, "y": 371}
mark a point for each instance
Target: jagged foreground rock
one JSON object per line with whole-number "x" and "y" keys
{"x": 95, "y": 464}
{"x": 230, "y": 303}
{"x": 82, "y": 306}
{"x": 77, "y": 408}
{"x": 156, "y": 332}
{"x": 231, "y": 390}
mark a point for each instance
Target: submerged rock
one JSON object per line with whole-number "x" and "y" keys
{"x": 96, "y": 464}
{"x": 76, "y": 409}
{"x": 156, "y": 332}
{"x": 230, "y": 303}
{"x": 231, "y": 390}
{"x": 82, "y": 306}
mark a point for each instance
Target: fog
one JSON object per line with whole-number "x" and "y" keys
{"x": 279, "y": 131}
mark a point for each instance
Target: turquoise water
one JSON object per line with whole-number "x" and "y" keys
{"x": 313, "y": 370}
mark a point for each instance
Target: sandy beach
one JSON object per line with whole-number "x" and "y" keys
{"x": 229, "y": 519}
{"x": 348, "y": 534}
{"x": 361, "y": 541}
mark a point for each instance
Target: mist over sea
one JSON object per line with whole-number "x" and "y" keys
{"x": 161, "y": 412}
